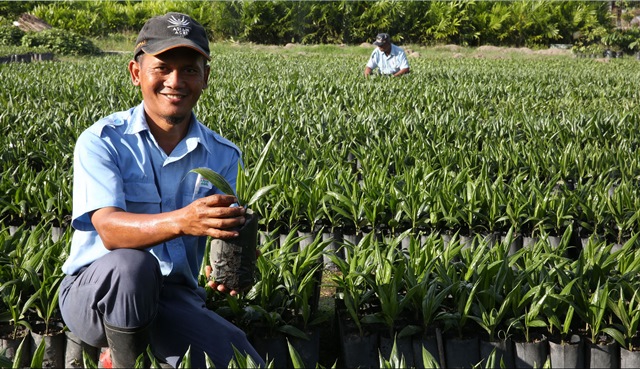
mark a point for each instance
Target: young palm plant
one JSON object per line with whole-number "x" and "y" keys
{"x": 627, "y": 310}
{"x": 531, "y": 305}
{"x": 595, "y": 314}
{"x": 387, "y": 280}
{"x": 461, "y": 277}
{"x": 495, "y": 298}
{"x": 233, "y": 261}
{"x": 352, "y": 289}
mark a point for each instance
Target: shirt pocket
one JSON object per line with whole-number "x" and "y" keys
{"x": 193, "y": 196}
{"x": 142, "y": 197}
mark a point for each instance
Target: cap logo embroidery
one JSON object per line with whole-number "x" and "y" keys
{"x": 180, "y": 26}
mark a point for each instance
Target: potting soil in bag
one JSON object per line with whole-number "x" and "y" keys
{"x": 233, "y": 261}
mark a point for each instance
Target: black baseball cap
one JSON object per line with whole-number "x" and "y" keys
{"x": 382, "y": 39}
{"x": 169, "y": 31}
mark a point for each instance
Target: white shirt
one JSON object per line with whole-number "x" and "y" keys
{"x": 388, "y": 64}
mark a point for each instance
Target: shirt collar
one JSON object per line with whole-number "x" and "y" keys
{"x": 138, "y": 120}
{"x": 194, "y": 136}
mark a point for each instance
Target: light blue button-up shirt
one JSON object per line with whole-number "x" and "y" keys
{"x": 117, "y": 162}
{"x": 391, "y": 64}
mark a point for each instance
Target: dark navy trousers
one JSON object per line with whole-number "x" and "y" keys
{"x": 125, "y": 289}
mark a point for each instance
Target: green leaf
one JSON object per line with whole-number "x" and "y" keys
{"x": 208, "y": 362}
{"x": 428, "y": 360}
{"x": 616, "y": 335}
{"x": 216, "y": 179}
{"x": 38, "y": 355}
{"x": 153, "y": 361}
{"x": 260, "y": 193}
{"x": 186, "y": 359}
{"x": 409, "y": 331}
{"x": 5, "y": 362}
{"x": 257, "y": 169}
{"x": 537, "y": 323}
{"x": 17, "y": 359}
{"x": 87, "y": 360}
{"x": 293, "y": 331}
{"x": 296, "y": 360}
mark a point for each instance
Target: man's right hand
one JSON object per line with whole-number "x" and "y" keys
{"x": 213, "y": 216}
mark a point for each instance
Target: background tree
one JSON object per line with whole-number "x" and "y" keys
{"x": 514, "y": 23}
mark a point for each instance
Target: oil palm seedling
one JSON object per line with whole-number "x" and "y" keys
{"x": 474, "y": 207}
{"x": 530, "y": 304}
{"x": 464, "y": 285}
{"x": 559, "y": 312}
{"x": 233, "y": 261}
{"x": 300, "y": 278}
{"x": 389, "y": 287}
{"x": 473, "y": 151}
{"x": 516, "y": 211}
{"x": 595, "y": 313}
{"x": 352, "y": 288}
{"x": 348, "y": 201}
{"x": 413, "y": 207}
{"x": 17, "y": 307}
{"x": 495, "y": 297}
{"x": 376, "y": 203}
{"x": 627, "y": 311}
{"x": 623, "y": 216}
{"x": 46, "y": 285}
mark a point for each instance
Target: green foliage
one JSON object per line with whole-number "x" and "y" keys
{"x": 11, "y": 10}
{"x": 296, "y": 360}
{"x": 396, "y": 359}
{"x": 10, "y": 35}
{"x": 23, "y": 351}
{"x": 465, "y": 142}
{"x": 60, "y": 42}
{"x": 246, "y": 181}
{"x": 38, "y": 356}
{"x": 516, "y": 23}
{"x": 5, "y": 362}
{"x": 225, "y": 20}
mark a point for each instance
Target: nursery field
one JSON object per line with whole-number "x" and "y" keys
{"x": 488, "y": 202}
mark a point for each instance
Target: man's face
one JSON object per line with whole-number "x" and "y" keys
{"x": 171, "y": 83}
{"x": 385, "y": 48}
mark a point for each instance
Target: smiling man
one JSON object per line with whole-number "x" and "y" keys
{"x": 141, "y": 219}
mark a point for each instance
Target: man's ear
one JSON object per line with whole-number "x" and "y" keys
{"x": 207, "y": 69}
{"x": 134, "y": 72}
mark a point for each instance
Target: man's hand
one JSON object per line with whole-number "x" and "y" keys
{"x": 212, "y": 216}
{"x": 220, "y": 287}
{"x": 216, "y": 286}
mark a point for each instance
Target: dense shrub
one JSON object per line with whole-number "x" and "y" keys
{"x": 100, "y": 18}
{"x": 10, "y": 35}
{"x": 11, "y": 10}
{"x": 60, "y": 42}
{"x": 513, "y": 23}
{"x": 628, "y": 39}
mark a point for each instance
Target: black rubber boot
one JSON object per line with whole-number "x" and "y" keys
{"x": 127, "y": 344}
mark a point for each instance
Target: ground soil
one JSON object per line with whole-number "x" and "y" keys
{"x": 329, "y": 340}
